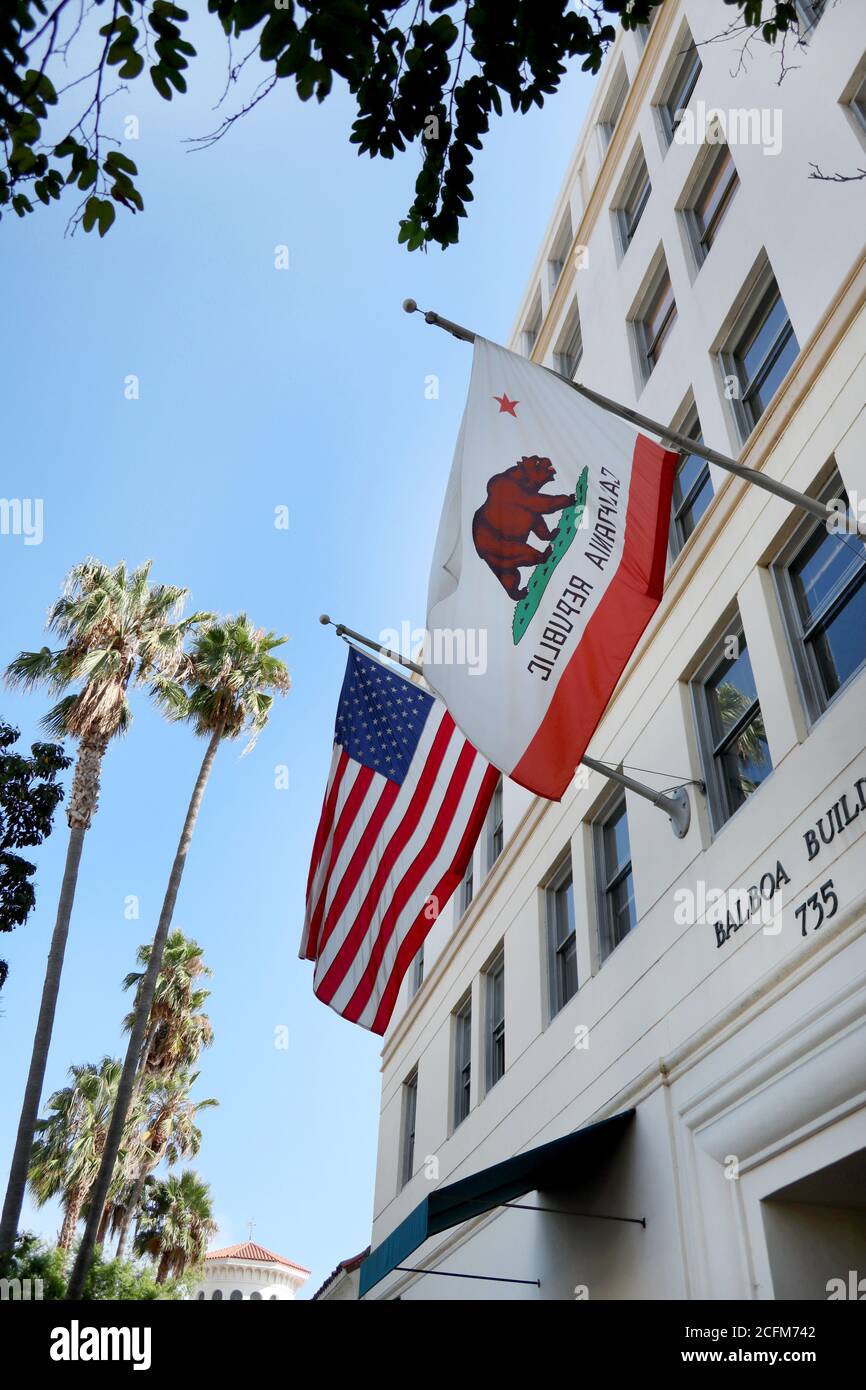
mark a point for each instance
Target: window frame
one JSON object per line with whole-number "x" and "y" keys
{"x": 857, "y": 105}
{"x": 560, "y": 879}
{"x": 679, "y": 539}
{"x": 568, "y": 353}
{"x": 815, "y": 698}
{"x": 755, "y": 311}
{"x": 649, "y": 348}
{"x": 417, "y": 973}
{"x": 614, "y": 102}
{"x": 680, "y": 86}
{"x": 703, "y": 238}
{"x": 712, "y": 748}
{"x": 636, "y": 188}
{"x": 467, "y": 881}
{"x": 461, "y": 1026}
{"x": 409, "y": 1117}
{"x": 494, "y": 1025}
{"x": 607, "y": 882}
{"x": 495, "y": 826}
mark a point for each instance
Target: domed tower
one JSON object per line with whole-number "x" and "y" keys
{"x": 249, "y": 1271}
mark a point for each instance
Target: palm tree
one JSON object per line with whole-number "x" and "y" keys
{"x": 168, "y": 1130}
{"x": 66, "y": 1153}
{"x": 223, "y": 691}
{"x": 116, "y": 628}
{"x": 178, "y": 1224}
{"x": 177, "y": 1029}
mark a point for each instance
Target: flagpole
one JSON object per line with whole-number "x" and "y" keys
{"x": 682, "y": 441}
{"x": 674, "y": 803}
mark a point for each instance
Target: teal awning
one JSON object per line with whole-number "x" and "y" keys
{"x": 561, "y": 1163}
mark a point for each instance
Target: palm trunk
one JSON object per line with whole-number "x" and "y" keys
{"x": 103, "y": 1225}
{"x": 143, "y": 1002}
{"x": 162, "y": 1271}
{"x": 71, "y": 1214}
{"x": 83, "y": 802}
{"x": 129, "y": 1215}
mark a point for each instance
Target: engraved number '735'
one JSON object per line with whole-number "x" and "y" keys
{"x": 825, "y": 898}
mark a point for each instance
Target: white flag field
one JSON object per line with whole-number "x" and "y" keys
{"x": 553, "y": 544}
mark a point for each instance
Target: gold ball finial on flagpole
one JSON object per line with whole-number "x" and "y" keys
{"x": 410, "y": 306}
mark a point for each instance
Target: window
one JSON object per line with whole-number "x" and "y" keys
{"x": 559, "y": 252}
{"x": 494, "y": 989}
{"x": 235, "y": 1294}
{"x": 693, "y": 488}
{"x": 494, "y": 827}
{"x": 562, "y": 939}
{"x": 462, "y": 1059}
{"x": 680, "y": 86}
{"x": 715, "y": 193}
{"x": 569, "y": 348}
{"x": 762, "y": 349}
{"x": 632, "y": 199}
{"x": 655, "y": 319}
{"x": 613, "y": 103}
{"x": 216, "y": 1295}
{"x": 820, "y": 576}
{"x": 531, "y": 328}
{"x": 254, "y": 1295}
{"x": 410, "y": 1108}
{"x": 809, "y": 12}
{"x": 617, "y": 915}
{"x": 464, "y": 897}
{"x": 858, "y": 105}
{"x": 734, "y": 748}
{"x": 417, "y": 972}
{"x": 200, "y": 1293}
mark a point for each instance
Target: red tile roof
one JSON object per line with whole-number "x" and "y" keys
{"x": 248, "y": 1250}
{"x": 344, "y": 1267}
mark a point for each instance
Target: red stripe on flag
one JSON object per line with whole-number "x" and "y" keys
{"x": 448, "y": 883}
{"x": 345, "y": 821}
{"x": 334, "y": 975}
{"x": 612, "y": 633}
{"x": 322, "y": 834}
{"x": 362, "y": 853}
{"x": 410, "y": 880}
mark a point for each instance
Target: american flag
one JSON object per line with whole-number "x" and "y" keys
{"x": 405, "y": 803}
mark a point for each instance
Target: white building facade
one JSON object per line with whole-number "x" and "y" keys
{"x": 709, "y": 990}
{"x": 249, "y": 1271}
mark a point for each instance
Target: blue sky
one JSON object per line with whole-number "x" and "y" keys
{"x": 259, "y": 388}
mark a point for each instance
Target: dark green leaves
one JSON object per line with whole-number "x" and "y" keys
{"x": 98, "y": 212}
{"x": 430, "y": 75}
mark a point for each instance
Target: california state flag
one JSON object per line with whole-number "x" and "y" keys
{"x": 549, "y": 563}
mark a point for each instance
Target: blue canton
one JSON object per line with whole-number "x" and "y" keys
{"x": 380, "y": 716}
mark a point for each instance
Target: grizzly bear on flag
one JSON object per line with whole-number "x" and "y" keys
{"x": 514, "y": 510}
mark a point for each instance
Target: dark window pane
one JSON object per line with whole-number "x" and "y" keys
{"x": 731, "y": 691}
{"x": 622, "y": 908}
{"x": 763, "y": 333}
{"x": 745, "y": 763}
{"x": 566, "y": 965}
{"x": 840, "y": 646}
{"x": 822, "y": 570}
{"x": 616, "y": 845}
{"x": 564, "y": 925}
{"x": 689, "y": 517}
{"x": 715, "y": 198}
{"x": 688, "y": 473}
{"x": 769, "y": 379}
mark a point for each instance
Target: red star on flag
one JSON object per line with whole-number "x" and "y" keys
{"x": 507, "y": 407}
